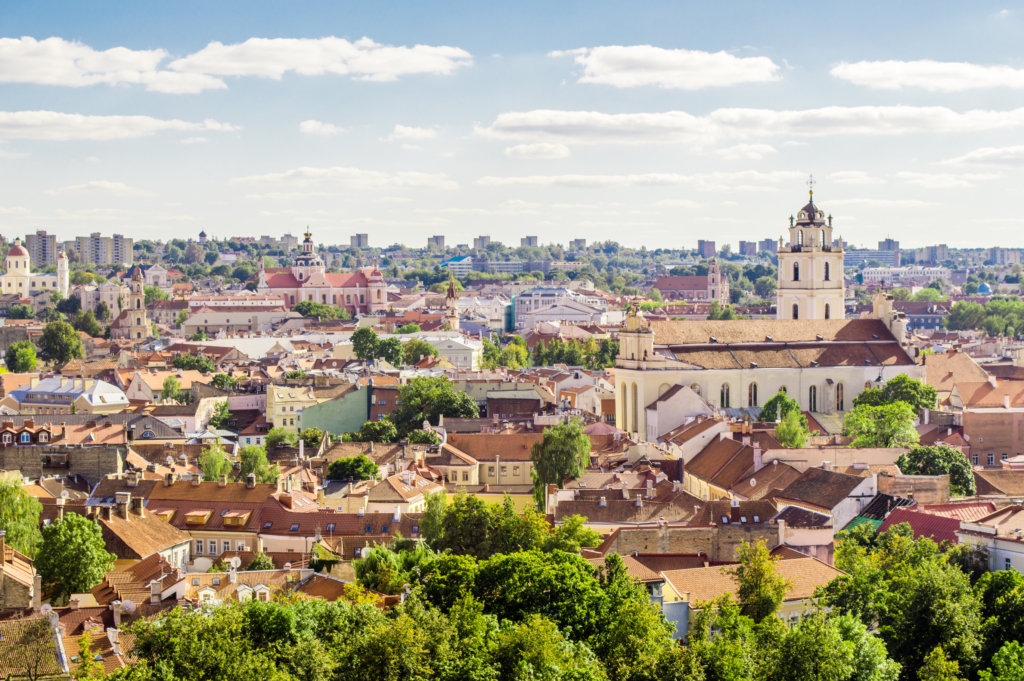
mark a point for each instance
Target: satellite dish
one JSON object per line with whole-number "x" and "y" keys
{"x": 170, "y": 460}
{"x": 64, "y": 494}
{"x": 753, "y": 482}
{"x": 128, "y": 606}
{"x": 46, "y": 609}
{"x": 236, "y": 562}
{"x": 287, "y": 566}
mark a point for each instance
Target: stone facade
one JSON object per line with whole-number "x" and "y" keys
{"x": 719, "y": 542}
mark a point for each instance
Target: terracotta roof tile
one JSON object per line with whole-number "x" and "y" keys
{"x": 706, "y": 584}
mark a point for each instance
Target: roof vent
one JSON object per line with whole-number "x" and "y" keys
{"x": 769, "y": 339}
{"x": 814, "y": 362}
{"x": 875, "y": 336}
{"x": 714, "y": 340}
{"x": 819, "y": 336}
{"x": 753, "y": 365}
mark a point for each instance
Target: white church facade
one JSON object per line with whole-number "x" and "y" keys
{"x": 20, "y": 279}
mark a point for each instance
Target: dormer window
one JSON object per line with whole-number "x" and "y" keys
{"x": 7, "y": 438}
{"x": 25, "y": 437}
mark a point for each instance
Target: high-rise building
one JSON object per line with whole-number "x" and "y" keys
{"x": 437, "y": 241}
{"x": 706, "y": 249}
{"x": 42, "y": 248}
{"x": 360, "y": 241}
{"x": 528, "y": 241}
{"x": 578, "y": 245}
{"x": 889, "y": 245}
{"x": 935, "y": 254}
{"x": 770, "y": 245}
{"x": 104, "y": 250}
{"x": 481, "y": 242}
{"x": 748, "y": 248}
{"x": 1004, "y": 256}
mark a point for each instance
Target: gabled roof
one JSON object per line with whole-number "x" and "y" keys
{"x": 1009, "y": 483}
{"x": 756, "y": 331}
{"x": 707, "y": 584}
{"x": 936, "y": 527}
{"x": 820, "y": 488}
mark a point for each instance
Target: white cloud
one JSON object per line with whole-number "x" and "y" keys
{"x": 405, "y": 132}
{"x": 591, "y": 127}
{"x": 55, "y": 126}
{"x": 312, "y": 127}
{"x": 934, "y": 76}
{"x": 943, "y": 180}
{"x": 392, "y": 199}
{"x": 636, "y": 65}
{"x": 685, "y": 203}
{"x": 350, "y": 177}
{"x": 14, "y": 210}
{"x": 752, "y": 152}
{"x": 194, "y": 140}
{"x": 56, "y": 61}
{"x": 882, "y": 203}
{"x": 1008, "y": 157}
{"x": 363, "y": 59}
{"x": 283, "y": 196}
{"x": 11, "y": 154}
{"x": 854, "y": 177}
{"x": 412, "y": 147}
{"x": 102, "y": 187}
{"x": 743, "y": 181}
{"x": 540, "y": 150}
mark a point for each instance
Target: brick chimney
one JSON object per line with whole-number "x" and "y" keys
{"x": 222, "y": 481}
{"x": 154, "y": 592}
{"x": 197, "y": 479}
{"x": 138, "y": 505}
{"x": 37, "y": 593}
{"x": 59, "y": 501}
{"x": 250, "y": 481}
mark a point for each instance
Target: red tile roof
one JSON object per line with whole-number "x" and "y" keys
{"x": 936, "y": 527}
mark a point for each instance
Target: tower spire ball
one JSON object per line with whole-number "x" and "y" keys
{"x": 810, "y": 186}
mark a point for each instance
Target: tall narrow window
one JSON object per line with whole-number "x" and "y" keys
{"x": 826, "y": 272}
{"x": 828, "y": 312}
{"x": 796, "y": 311}
{"x": 636, "y": 413}
{"x": 821, "y": 232}
{"x": 800, "y": 238}
{"x": 840, "y": 397}
{"x": 752, "y": 395}
{"x": 796, "y": 271}
{"x": 812, "y": 398}
{"x": 724, "y": 396}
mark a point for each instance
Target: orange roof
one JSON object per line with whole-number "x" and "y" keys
{"x": 707, "y": 584}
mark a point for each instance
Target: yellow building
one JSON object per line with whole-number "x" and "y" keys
{"x": 62, "y": 395}
{"x": 286, "y": 402}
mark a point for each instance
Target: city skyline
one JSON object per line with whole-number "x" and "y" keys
{"x": 654, "y": 128}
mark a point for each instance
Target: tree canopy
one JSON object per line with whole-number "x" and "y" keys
{"x": 887, "y": 425}
{"x": 940, "y": 460}
{"x": 352, "y": 468}
{"x": 21, "y": 357}
{"x": 903, "y": 388}
{"x": 563, "y": 452}
{"x": 60, "y": 343}
{"x": 72, "y": 556}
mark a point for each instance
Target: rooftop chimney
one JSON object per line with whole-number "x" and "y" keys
{"x": 154, "y": 592}
{"x": 758, "y": 459}
{"x": 1006, "y": 401}
{"x": 196, "y": 479}
{"x": 116, "y": 607}
{"x": 603, "y": 503}
{"x": 222, "y": 480}
{"x": 250, "y": 481}
{"x": 169, "y": 479}
{"x": 37, "y": 593}
{"x": 398, "y": 514}
{"x": 992, "y": 381}
{"x": 138, "y": 505}
{"x": 60, "y": 510}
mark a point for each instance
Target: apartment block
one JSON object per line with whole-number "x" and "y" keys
{"x": 578, "y": 245}
{"x": 935, "y": 254}
{"x": 481, "y": 242}
{"x": 770, "y": 245}
{"x": 96, "y": 249}
{"x": 1004, "y": 256}
{"x": 359, "y": 241}
{"x": 528, "y": 241}
{"x": 748, "y": 248}
{"x": 706, "y": 249}
{"x": 42, "y": 248}
{"x": 437, "y": 241}
{"x": 889, "y": 245}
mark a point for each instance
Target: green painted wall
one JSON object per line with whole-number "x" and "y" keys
{"x": 344, "y": 415}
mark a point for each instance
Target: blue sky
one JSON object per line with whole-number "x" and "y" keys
{"x": 648, "y": 123}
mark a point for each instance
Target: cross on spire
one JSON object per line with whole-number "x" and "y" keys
{"x": 810, "y": 185}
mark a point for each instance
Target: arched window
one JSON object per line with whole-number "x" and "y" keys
{"x": 796, "y": 271}
{"x": 784, "y": 389}
{"x": 821, "y": 233}
{"x": 625, "y": 407}
{"x": 138, "y": 304}
{"x": 796, "y": 311}
{"x": 867, "y": 385}
{"x": 840, "y": 397}
{"x": 724, "y": 396}
{"x": 695, "y": 388}
{"x": 827, "y": 312}
{"x": 826, "y": 272}
{"x": 800, "y": 237}
{"x": 636, "y": 412}
{"x": 752, "y": 395}
{"x": 812, "y": 398}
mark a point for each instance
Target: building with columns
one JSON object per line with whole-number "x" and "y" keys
{"x": 19, "y": 277}
{"x": 133, "y": 322}
{"x": 308, "y": 279}
{"x": 810, "y": 269}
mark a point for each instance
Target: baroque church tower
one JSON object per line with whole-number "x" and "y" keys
{"x": 810, "y": 268}
{"x": 138, "y": 325}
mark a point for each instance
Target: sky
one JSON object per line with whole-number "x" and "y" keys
{"x": 648, "y": 123}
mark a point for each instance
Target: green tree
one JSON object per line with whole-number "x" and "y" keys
{"x": 792, "y": 430}
{"x": 1007, "y": 664}
{"x": 21, "y": 357}
{"x": 294, "y": 375}
{"x": 965, "y": 315}
{"x": 466, "y": 528}
{"x": 423, "y": 437}
{"x": 814, "y": 649}
{"x": 871, "y": 660}
{"x": 432, "y": 527}
{"x": 940, "y": 460}
{"x": 199, "y": 336}
{"x": 171, "y": 389}
{"x": 182, "y": 318}
{"x": 778, "y": 406}
{"x": 391, "y": 351}
{"x": 260, "y": 561}
{"x": 378, "y": 431}
{"x": 572, "y": 535}
{"x": 194, "y": 363}
{"x": 764, "y": 287}
{"x": 86, "y": 322}
{"x": 19, "y": 517}
{"x": 279, "y": 437}
{"x": 426, "y": 399}
{"x": 417, "y": 349}
{"x": 223, "y": 381}
{"x": 760, "y": 589}
{"x": 221, "y": 418}
{"x": 352, "y": 468}
{"x": 888, "y": 425}
{"x": 901, "y": 388}
{"x": 103, "y": 311}
{"x": 72, "y": 556}
{"x": 153, "y": 294}
{"x": 254, "y": 461}
{"x": 928, "y": 295}
{"x": 18, "y": 311}
{"x": 89, "y": 668}
{"x": 214, "y": 462}
{"x": 60, "y": 343}
{"x": 515, "y": 356}
{"x": 312, "y": 437}
{"x": 364, "y": 343}
{"x": 563, "y": 452}
{"x": 938, "y": 667}
{"x": 408, "y": 329}
{"x": 512, "y": 531}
